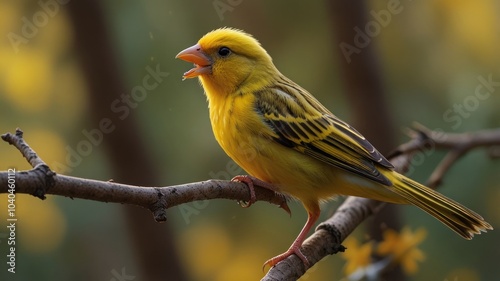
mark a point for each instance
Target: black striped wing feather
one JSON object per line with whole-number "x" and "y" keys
{"x": 300, "y": 122}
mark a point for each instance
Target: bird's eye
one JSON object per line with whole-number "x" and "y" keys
{"x": 224, "y": 52}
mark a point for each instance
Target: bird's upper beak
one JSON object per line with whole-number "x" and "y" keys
{"x": 202, "y": 62}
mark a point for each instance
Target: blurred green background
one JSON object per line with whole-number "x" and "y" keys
{"x": 430, "y": 54}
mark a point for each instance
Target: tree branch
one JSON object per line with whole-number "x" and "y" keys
{"x": 41, "y": 181}
{"x": 458, "y": 144}
{"x": 328, "y": 236}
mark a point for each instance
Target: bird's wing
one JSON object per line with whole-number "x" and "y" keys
{"x": 300, "y": 122}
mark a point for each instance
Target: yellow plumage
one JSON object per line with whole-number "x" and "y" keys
{"x": 280, "y": 134}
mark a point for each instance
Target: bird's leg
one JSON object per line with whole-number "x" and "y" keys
{"x": 250, "y": 182}
{"x": 312, "y": 217}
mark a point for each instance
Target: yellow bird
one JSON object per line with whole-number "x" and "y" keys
{"x": 289, "y": 142}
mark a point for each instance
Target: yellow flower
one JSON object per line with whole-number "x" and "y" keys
{"x": 403, "y": 247}
{"x": 356, "y": 255}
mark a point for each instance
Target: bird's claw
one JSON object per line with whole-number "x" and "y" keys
{"x": 284, "y": 204}
{"x": 294, "y": 250}
{"x": 249, "y": 182}
{"x": 244, "y": 204}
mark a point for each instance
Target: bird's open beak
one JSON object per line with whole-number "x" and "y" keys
{"x": 202, "y": 62}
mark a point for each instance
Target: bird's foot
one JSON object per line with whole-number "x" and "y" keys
{"x": 251, "y": 182}
{"x": 294, "y": 250}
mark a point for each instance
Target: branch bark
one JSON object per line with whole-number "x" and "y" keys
{"x": 329, "y": 235}
{"x": 327, "y": 238}
{"x": 41, "y": 181}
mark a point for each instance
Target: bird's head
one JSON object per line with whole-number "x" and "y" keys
{"x": 226, "y": 60}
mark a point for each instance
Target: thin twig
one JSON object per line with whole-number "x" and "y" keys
{"x": 28, "y": 153}
{"x": 43, "y": 178}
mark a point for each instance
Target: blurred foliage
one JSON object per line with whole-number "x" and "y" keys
{"x": 396, "y": 249}
{"x": 431, "y": 53}
{"x": 357, "y": 255}
{"x": 403, "y": 247}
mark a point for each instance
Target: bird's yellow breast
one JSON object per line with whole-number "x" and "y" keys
{"x": 245, "y": 138}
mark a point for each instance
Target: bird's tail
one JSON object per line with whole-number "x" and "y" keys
{"x": 459, "y": 218}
